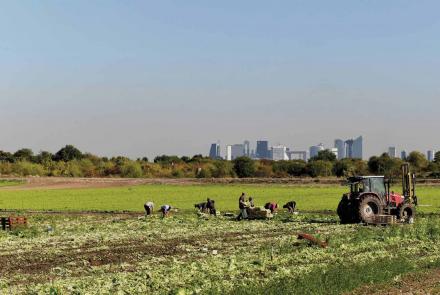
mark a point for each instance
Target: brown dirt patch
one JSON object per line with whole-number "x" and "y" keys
{"x": 410, "y": 284}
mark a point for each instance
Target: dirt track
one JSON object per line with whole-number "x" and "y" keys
{"x": 32, "y": 183}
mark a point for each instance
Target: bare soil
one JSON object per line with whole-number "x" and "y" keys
{"x": 410, "y": 284}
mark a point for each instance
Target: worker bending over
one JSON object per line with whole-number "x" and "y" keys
{"x": 290, "y": 206}
{"x": 165, "y": 209}
{"x": 148, "y": 206}
{"x": 271, "y": 206}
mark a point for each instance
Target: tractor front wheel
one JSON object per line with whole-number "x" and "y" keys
{"x": 407, "y": 213}
{"x": 369, "y": 206}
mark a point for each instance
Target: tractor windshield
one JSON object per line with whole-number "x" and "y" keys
{"x": 378, "y": 185}
{"x": 366, "y": 185}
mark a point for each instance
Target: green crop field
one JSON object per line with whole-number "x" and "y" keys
{"x": 188, "y": 253}
{"x": 314, "y": 198}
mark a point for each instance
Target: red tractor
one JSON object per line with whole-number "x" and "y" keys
{"x": 370, "y": 198}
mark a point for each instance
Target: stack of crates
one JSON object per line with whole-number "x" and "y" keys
{"x": 259, "y": 213}
{"x": 11, "y": 222}
{"x": 384, "y": 219}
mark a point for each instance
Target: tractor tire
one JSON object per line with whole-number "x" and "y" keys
{"x": 406, "y": 213}
{"x": 369, "y": 206}
{"x": 346, "y": 211}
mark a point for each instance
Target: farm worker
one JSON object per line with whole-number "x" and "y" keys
{"x": 242, "y": 206}
{"x": 290, "y": 206}
{"x": 165, "y": 209}
{"x": 271, "y": 206}
{"x": 149, "y": 206}
{"x": 251, "y": 202}
{"x": 210, "y": 205}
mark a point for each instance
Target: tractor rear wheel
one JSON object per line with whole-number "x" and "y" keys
{"x": 369, "y": 206}
{"x": 407, "y": 213}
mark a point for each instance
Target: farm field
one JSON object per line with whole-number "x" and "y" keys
{"x": 132, "y": 198}
{"x": 126, "y": 253}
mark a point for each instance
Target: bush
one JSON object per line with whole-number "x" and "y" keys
{"x": 319, "y": 168}
{"x": 131, "y": 169}
{"x": 244, "y": 167}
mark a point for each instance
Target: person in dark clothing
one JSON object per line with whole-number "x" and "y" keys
{"x": 251, "y": 202}
{"x": 271, "y": 206}
{"x": 201, "y": 206}
{"x": 290, "y": 206}
{"x": 165, "y": 209}
{"x": 148, "y": 206}
{"x": 210, "y": 206}
{"x": 242, "y": 206}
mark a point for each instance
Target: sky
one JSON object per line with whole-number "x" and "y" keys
{"x": 143, "y": 78}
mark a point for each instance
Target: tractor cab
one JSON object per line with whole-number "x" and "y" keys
{"x": 368, "y": 184}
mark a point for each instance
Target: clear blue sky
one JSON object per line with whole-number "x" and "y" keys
{"x": 150, "y": 77}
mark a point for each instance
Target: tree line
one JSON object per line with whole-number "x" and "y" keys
{"x": 71, "y": 162}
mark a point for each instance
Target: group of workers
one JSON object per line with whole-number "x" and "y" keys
{"x": 164, "y": 209}
{"x": 209, "y": 207}
{"x": 244, "y": 205}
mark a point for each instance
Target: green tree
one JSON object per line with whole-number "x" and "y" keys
{"x": 244, "y": 167}
{"x": 437, "y": 157}
{"x": 166, "y": 160}
{"x": 325, "y": 155}
{"x": 319, "y": 168}
{"x": 222, "y": 169}
{"x": 24, "y": 155}
{"x": 418, "y": 161}
{"x": 68, "y": 153}
{"x": 6, "y": 157}
{"x": 44, "y": 158}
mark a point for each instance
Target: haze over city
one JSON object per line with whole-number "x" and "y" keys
{"x": 181, "y": 75}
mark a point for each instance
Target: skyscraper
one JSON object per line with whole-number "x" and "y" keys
{"x": 237, "y": 150}
{"x": 403, "y": 155}
{"x": 315, "y": 149}
{"x": 279, "y": 152}
{"x": 339, "y": 144}
{"x": 392, "y": 152}
{"x": 430, "y": 155}
{"x": 247, "y": 148}
{"x": 262, "y": 151}
{"x": 214, "y": 152}
{"x": 354, "y": 148}
{"x": 349, "y": 148}
{"x": 228, "y": 153}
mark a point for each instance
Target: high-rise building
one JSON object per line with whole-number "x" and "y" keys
{"x": 349, "y": 148}
{"x": 315, "y": 149}
{"x": 279, "y": 153}
{"x": 247, "y": 148}
{"x": 237, "y": 150}
{"x": 262, "y": 151}
{"x": 403, "y": 155}
{"x": 430, "y": 155}
{"x": 340, "y": 145}
{"x": 354, "y": 148}
{"x": 297, "y": 155}
{"x": 228, "y": 153}
{"x": 214, "y": 152}
{"x": 392, "y": 152}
